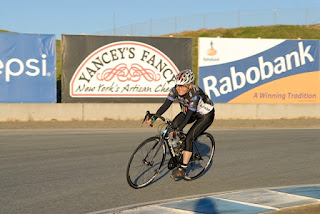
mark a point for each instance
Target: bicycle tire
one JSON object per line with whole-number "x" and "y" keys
{"x": 145, "y": 162}
{"x": 202, "y": 155}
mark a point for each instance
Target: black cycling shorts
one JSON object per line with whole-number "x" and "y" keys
{"x": 201, "y": 123}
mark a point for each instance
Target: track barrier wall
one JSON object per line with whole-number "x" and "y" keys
{"x": 136, "y": 111}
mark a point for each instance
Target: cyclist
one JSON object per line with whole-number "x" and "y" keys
{"x": 195, "y": 107}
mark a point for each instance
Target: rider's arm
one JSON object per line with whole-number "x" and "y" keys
{"x": 170, "y": 98}
{"x": 163, "y": 108}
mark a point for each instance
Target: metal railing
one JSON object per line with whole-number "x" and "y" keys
{"x": 228, "y": 19}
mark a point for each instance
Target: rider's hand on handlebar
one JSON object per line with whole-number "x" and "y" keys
{"x": 149, "y": 121}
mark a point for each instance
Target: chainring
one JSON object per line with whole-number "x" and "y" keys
{"x": 173, "y": 163}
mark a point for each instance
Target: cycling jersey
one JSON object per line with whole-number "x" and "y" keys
{"x": 195, "y": 100}
{"x": 195, "y": 103}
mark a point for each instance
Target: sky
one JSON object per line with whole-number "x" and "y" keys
{"x": 92, "y": 16}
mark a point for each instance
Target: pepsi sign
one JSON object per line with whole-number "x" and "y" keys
{"x": 27, "y": 68}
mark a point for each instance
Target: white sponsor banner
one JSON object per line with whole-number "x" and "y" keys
{"x": 259, "y": 70}
{"x": 124, "y": 69}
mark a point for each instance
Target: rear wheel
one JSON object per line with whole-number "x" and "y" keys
{"x": 145, "y": 163}
{"x": 202, "y": 154}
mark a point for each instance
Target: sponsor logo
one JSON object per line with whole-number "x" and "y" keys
{"x": 211, "y": 51}
{"x": 125, "y": 69}
{"x": 210, "y": 55}
{"x": 15, "y": 67}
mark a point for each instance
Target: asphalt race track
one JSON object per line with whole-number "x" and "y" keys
{"x": 83, "y": 170}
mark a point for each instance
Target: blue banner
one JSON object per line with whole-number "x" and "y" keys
{"x": 27, "y": 68}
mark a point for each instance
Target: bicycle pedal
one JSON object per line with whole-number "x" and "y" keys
{"x": 176, "y": 179}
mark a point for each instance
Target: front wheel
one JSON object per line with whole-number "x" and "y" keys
{"x": 145, "y": 163}
{"x": 202, "y": 154}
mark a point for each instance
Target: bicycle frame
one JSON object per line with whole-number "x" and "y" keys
{"x": 164, "y": 137}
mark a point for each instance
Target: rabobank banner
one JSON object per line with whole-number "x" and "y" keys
{"x": 27, "y": 68}
{"x": 260, "y": 70}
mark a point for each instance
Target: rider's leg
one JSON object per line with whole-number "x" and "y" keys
{"x": 178, "y": 119}
{"x": 186, "y": 157}
{"x": 203, "y": 122}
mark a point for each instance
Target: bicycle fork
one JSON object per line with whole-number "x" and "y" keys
{"x": 151, "y": 162}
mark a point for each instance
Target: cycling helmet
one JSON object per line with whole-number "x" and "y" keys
{"x": 185, "y": 77}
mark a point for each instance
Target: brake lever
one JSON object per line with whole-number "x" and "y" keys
{"x": 147, "y": 116}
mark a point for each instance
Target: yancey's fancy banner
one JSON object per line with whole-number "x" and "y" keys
{"x": 121, "y": 68}
{"x": 260, "y": 70}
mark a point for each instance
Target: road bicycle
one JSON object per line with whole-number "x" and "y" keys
{"x": 148, "y": 158}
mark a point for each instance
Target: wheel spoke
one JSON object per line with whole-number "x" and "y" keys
{"x": 145, "y": 162}
{"x": 203, "y": 150}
